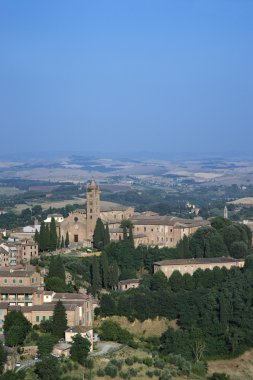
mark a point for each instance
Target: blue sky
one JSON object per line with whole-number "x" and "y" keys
{"x": 126, "y": 76}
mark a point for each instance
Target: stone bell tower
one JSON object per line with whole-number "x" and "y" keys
{"x": 92, "y": 207}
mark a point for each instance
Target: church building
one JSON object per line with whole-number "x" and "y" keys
{"x": 149, "y": 228}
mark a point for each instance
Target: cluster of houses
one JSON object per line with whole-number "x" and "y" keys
{"x": 22, "y": 288}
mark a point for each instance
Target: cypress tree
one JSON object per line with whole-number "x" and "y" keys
{"x": 67, "y": 240}
{"x": 124, "y": 233}
{"x": 47, "y": 236}
{"x": 37, "y": 237}
{"x": 99, "y": 234}
{"x": 105, "y": 269}
{"x": 42, "y": 236}
{"x": 131, "y": 237}
{"x": 96, "y": 278}
{"x": 56, "y": 268}
{"x": 113, "y": 275}
{"x": 62, "y": 242}
{"x": 107, "y": 235}
{"x": 53, "y": 235}
{"x": 59, "y": 321}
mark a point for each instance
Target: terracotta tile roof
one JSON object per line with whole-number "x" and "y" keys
{"x": 18, "y": 289}
{"x": 210, "y": 260}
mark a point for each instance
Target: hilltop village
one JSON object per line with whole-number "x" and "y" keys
{"x": 143, "y": 252}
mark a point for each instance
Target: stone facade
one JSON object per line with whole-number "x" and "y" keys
{"x": 128, "y": 284}
{"x": 149, "y": 228}
{"x": 23, "y": 288}
{"x": 191, "y": 265}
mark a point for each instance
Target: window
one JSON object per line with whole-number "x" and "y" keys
{"x": 5, "y": 281}
{"x": 50, "y": 317}
{"x": 75, "y": 219}
{"x": 145, "y": 229}
{"x": 14, "y": 281}
{"x": 37, "y": 318}
{"x": 21, "y": 281}
{"x": 43, "y": 318}
{"x": 90, "y": 209}
{"x": 76, "y": 238}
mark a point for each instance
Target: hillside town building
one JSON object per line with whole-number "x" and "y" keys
{"x": 191, "y": 265}
{"x": 22, "y": 288}
{"x": 149, "y": 228}
{"x": 17, "y": 252}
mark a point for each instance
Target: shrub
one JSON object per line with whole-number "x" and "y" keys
{"x": 219, "y": 376}
{"x": 150, "y": 374}
{"x": 124, "y": 375}
{"x": 148, "y": 361}
{"x": 166, "y": 375}
{"x": 159, "y": 363}
{"x": 200, "y": 368}
{"x": 111, "y": 370}
{"x": 157, "y": 372}
{"x": 116, "y": 363}
{"x": 100, "y": 372}
{"x": 129, "y": 361}
{"x": 133, "y": 372}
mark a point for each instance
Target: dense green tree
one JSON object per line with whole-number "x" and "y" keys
{"x": 239, "y": 249}
{"x": 67, "y": 240}
{"x": 42, "y": 237}
{"x": 207, "y": 242}
{"x": 248, "y": 266}
{"x": 59, "y": 321}
{"x": 219, "y": 223}
{"x": 99, "y": 234}
{"x": 176, "y": 281}
{"x": 56, "y": 284}
{"x": 56, "y": 268}
{"x": 53, "y": 238}
{"x": 107, "y": 235}
{"x": 16, "y": 327}
{"x": 45, "y": 344}
{"x": 104, "y": 269}
{"x": 12, "y": 375}
{"x": 47, "y": 236}
{"x": 127, "y": 227}
{"x": 113, "y": 275}
{"x": 111, "y": 330}
{"x": 96, "y": 282}
{"x": 183, "y": 248}
{"x": 62, "y": 242}
{"x": 48, "y": 368}
{"x": 37, "y": 237}
{"x": 79, "y": 349}
{"x": 159, "y": 281}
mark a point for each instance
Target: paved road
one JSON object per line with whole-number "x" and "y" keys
{"x": 106, "y": 347}
{"x": 26, "y": 364}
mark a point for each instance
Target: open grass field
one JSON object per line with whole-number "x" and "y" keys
{"x": 45, "y": 205}
{"x": 240, "y": 368}
{"x": 155, "y": 327}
